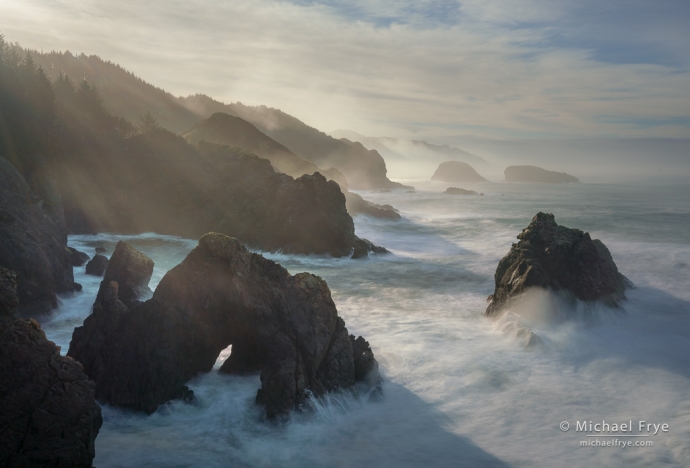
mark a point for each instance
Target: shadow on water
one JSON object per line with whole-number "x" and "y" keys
{"x": 654, "y": 333}
{"x": 225, "y": 430}
{"x": 403, "y": 431}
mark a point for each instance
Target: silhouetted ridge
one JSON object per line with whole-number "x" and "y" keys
{"x": 235, "y": 132}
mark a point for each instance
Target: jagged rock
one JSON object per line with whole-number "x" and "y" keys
{"x": 357, "y": 205}
{"x": 459, "y": 191}
{"x": 558, "y": 258}
{"x": 97, "y": 265}
{"x": 48, "y": 415}
{"x": 131, "y": 270}
{"x": 456, "y": 171}
{"x": 100, "y": 250}
{"x": 537, "y": 174}
{"x": 364, "y": 247}
{"x": 221, "y": 294}
{"x": 33, "y": 243}
{"x": 76, "y": 257}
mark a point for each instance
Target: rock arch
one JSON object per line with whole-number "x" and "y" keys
{"x": 141, "y": 354}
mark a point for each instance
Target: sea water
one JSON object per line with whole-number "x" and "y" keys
{"x": 460, "y": 389}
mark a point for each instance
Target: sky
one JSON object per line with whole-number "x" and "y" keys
{"x": 438, "y": 70}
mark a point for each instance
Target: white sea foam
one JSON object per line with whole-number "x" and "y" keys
{"x": 461, "y": 390}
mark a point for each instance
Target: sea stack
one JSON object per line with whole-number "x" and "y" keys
{"x": 287, "y": 327}
{"x": 456, "y": 172}
{"x": 558, "y": 258}
{"x": 459, "y": 191}
{"x": 537, "y": 174}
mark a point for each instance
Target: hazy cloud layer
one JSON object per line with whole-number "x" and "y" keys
{"x": 426, "y": 69}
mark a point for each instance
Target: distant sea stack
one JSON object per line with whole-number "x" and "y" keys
{"x": 141, "y": 354}
{"x": 537, "y": 174}
{"x": 558, "y": 258}
{"x": 459, "y": 191}
{"x": 456, "y": 171}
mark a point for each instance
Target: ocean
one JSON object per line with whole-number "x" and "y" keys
{"x": 460, "y": 389}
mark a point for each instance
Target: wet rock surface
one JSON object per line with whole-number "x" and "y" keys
{"x": 48, "y": 415}
{"x": 285, "y": 326}
{"x": 357, "y": 205}
{"x": 97, "y": 265}
{"x": 560, "y": 259}
{"x": 77, "y": 258}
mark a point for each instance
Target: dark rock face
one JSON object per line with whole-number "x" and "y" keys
{"x": 162, "y": 184}
{"x": 221, "y": 294}
{"x": 459, "y": 191}
{"x": 48, "y": 416}
{"x": 97, "y": 265}
{"x": 558, "y": 258}
{"x": 33, "y": 242}
{"x": 357, "y": 205}
{"x": 456, "y": 171}
{"x": 77, "y": 258}
{"x": 131, "y": 270}
{"x": 363, "y": 248}
{"x": 537, "y": 174}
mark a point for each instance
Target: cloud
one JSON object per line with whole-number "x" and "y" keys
{"x": 424, "y": 69}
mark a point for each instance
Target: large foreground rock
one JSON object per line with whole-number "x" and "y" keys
{"x": 557, "y": 258}
{"x": 48, "y": 414}
{"x": 33, "y": 241}
{"x": 456, "y": 171}
{"x": 286, "y": 326}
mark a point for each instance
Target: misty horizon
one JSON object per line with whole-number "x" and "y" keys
{"x": 477, "y": 76}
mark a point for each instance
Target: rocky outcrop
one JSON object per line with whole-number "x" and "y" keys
{"x": 97, "y": 265}
{"x": 459, "y": 191}
{"x": 537, "y": 174}
{"x": 456, "y": 171}
{"x": 286, "y": 326}
{"x": 357, "y": 205}
{"x": 33, "y": 242}
{"x": 76, "y": 257}
{"x": 557, "y": 258}
{"x": 131, "y": 270}
{"x": 162, "y": 184}
{"x": 48, "y": 415}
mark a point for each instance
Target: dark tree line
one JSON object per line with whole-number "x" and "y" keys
{"x": 42, "y": 122}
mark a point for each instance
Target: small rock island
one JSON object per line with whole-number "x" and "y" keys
{"x": 558, "y": 258}
{"x": 537, "y": 174}
{"x": 456, "y": 171}
{"x": 460, "y": 191}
